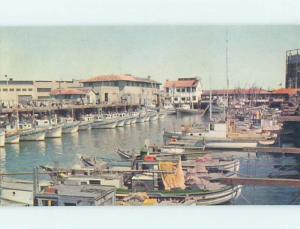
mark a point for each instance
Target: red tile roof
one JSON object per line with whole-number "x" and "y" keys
{"x": 68, "y": 91}
{"x": 286, "y": 91}
{"x": 181, "y": 83}
{"x": 131, "y": 78}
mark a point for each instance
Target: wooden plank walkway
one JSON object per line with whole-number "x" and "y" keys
{"x": 272, "y": 150}
{"x": 64, "y": 107}
{"x": 293, "y": 183}
{"x": 291, "y": 118}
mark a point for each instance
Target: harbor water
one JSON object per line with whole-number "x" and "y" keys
{"x": 103, "y": 143}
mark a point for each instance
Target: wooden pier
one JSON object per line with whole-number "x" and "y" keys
{"x": 66, "y": 107}
{"x": 292, "y": 183}
{"x": 272, "y": 150}
{"x": 291, "y": 118}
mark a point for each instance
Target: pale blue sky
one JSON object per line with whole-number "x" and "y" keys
{"x": 256, "y": 53}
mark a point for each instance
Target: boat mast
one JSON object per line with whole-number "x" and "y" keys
{"x": 227, "y": 77}
{"x": 210, "y": 100}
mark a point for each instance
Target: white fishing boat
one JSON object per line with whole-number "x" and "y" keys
{"x": 86, "y": 122}
{"x": 186, "y": 109}
{"x": 2, "y": 138}
{"x": 120, "y": 119}
{"x": 147, "y": 118}
{"x": 28, "y": 133}
{"x": 53, "y": 130}
{"x": 69, "y": 125}
{"x": 127, "y": 121}
{"x": 153, "y": 117}
{"x": 133, "y": 120}
{"x": 12, "y": 137}
{"x": 104, "y": 122}
{"x": 140, "y": 118}
{"x": 162, "y": 115}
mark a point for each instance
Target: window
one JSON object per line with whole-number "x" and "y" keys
{"x": 11, "y": 89}
{"x": 175, "y": 99}
{"x": 194, "y": 98}
{"x": 106, "y": 97}
{"x": 18, "y": 89}
{"x": 178, "y": 89}
{"x": 167, "y": 90}
{"x": 95, "y": 182}
{"x": 43, "y": 89}
{"x": 188, "y": 89}
{"x": 193, "y": 89}
{"x": 182, "y": 89}
{"x": 183, "y": 98}
{"x": 5, "y": 89}
{"x": 69, "y": 204}
{"x": 24, "y": 89}
{"x": 29, "y": 89}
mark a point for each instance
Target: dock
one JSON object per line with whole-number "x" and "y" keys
{"x": 292, "y": 183}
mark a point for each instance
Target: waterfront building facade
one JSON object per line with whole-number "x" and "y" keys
{"x": 183, "y": 91}
{"x": 13, "y": 92}
{"x": 125, "y": 89}
{"x": 74, "y": 95}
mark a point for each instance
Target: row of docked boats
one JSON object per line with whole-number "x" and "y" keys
{"x": 39, "y": 129}
{"x": 153, "y": 177}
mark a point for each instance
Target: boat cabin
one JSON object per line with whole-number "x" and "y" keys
{"x": 25, "y": 126}
{"x": 75, "y": 195}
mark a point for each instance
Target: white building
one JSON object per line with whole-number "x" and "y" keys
{"x": 183, "y": 91}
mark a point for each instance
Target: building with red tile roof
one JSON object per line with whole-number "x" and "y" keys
{"x": 183, "y": 91}
{"x": 80, "y": 95}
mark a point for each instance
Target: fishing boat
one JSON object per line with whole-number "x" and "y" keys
{"x": 28, "y": 133}
{"x": 140, "y": 118}
{"x": 147, "y": 118}
{"x": 133, "y": 120}
{"x": 162, "y": 115}
{"x": 86, "y": 122}
{"x": 12, "y": 137}
{"x": 104, "y": 122}
{"x": 53, "y": 130}
{"x": 120, "y": 120}
{"x": 267, "y": 142}
{"x": 153, "y": 117}
{"x": 187, "y": 109}
{"x": 2, "y": 138}
{"x": 128, "y": 121}
{"x": 69, "y": 125}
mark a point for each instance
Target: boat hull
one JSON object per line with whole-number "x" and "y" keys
{"x": 128, "y": 121}
{"x": 2, "y": 139}
{"x": 153, "y": 117}
{"x": 33, "y": 135}
{"x": 120, "y": 123}
{"x": 133, "y": 120}
{"x": 140, "y": 119}
{"x": 104, "y": 125}
{"x": 54, "y": 132}
{"x": 70, "y": 128}
{"x": 85, "y": 125}
{"x": 12, "y": 139}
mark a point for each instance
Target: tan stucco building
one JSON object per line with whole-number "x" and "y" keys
{"x": 127, "y": 89}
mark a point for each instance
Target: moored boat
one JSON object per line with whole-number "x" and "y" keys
{"x": 2, "y": 138}
{"x": 12, "y": 137}
{"x": 28, "y": 133}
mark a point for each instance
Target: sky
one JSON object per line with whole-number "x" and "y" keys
{"x": 256, "y": 54}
